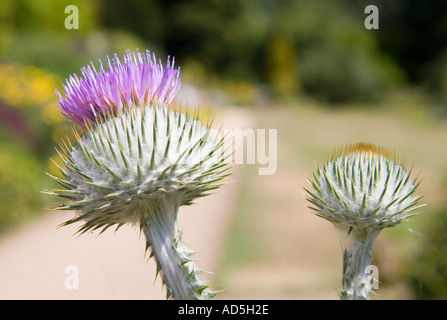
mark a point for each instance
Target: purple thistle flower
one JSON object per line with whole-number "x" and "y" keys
{"x": 139, "y": 80}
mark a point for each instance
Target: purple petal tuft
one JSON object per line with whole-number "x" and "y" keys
{"x": 139, "y": 80}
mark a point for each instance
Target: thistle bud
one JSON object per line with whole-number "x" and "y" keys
{"x": 361, "y": 190}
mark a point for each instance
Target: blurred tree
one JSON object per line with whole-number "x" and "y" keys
{"x": 265, "y": 41}
{"x": 236, "y": 39}
{"x": 222, "y": 35}
{"x": 145, "y": 18}
{"x": 414, "y": 33}
{"x": 338, "y": 59}
{"x": 21, "y": 178}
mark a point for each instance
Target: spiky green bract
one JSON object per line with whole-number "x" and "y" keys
{"x": 138, "y": 167}
{"x": 361, "y": 190}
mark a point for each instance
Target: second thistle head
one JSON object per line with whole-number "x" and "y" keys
{"x": 364, "y": 186}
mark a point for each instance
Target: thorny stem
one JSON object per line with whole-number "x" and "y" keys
{"x": 173, "y": 258}
{"x": 357, "y": 245}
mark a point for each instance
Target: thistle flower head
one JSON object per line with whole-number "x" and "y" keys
{"x": 135, "y": 150}
{"x": 363, "y": 185}
{"x": 139, "y": 80}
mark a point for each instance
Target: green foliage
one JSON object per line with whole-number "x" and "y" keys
{"x": 320, "y": 48}
{"x": 242, "y": 41}
{"x": 426, "y": 270}
{"x": 436, "y": 80}
{"x": 414, "y": 33}
{"x": 338, "y": 74}
{"x": 34, "y": 33}
{"x": 20, "y": 182}
{"x": 46, "y": 15}
{"x": 338, "y": 59}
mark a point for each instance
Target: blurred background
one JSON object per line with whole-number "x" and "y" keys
{"x": 308, "y": 68}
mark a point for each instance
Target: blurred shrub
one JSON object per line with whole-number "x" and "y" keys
{"x": 319, "y": 47}
{"x": 335, "y": 59}
{"x": 29, "y": 119}
{"x": 33, "y": 33}
{"x": 426, "y": 270}
{"x": 46, "y": 15}
{"x": 436, "y": 80}
{"x": 20, "y": 183}
{"x": 28, "y": 106}
{"x": 338, "y": 74}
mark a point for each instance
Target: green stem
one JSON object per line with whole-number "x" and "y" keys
{"x": 173, "y": 258}
{"x": 357, "y": 245}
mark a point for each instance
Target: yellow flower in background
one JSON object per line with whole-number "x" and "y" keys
{"x": 29, "y": 87}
